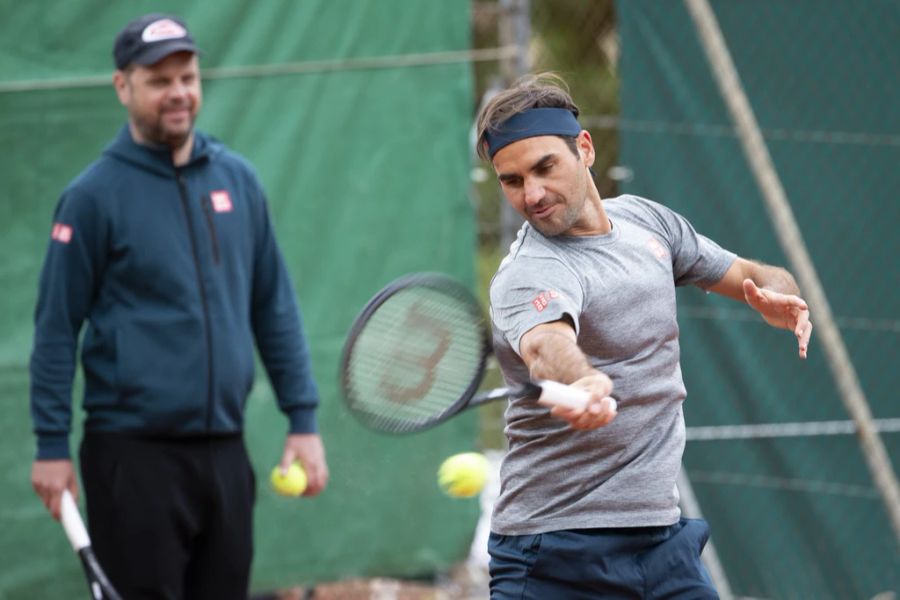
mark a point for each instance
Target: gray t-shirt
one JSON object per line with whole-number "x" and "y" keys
{"x": 619, "y": 291}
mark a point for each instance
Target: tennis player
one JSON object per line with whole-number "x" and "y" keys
{"x": 588, "y": 506}
{"x": 164, "y": 246}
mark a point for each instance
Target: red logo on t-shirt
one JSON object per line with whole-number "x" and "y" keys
{"x": 657, "y": 248}
{"x": 543, "y": 299}
{"x": 221, "y": 200}
{"x": 61, "y": 233}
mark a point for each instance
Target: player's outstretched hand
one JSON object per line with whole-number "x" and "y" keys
{"x": 600, "y": 410}
{"x": 785, "y": 311}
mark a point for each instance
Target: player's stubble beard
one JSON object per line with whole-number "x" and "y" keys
{"x": 566, "y": 216}
{"x": 563, "y": 218}
{"x": 155, "y": 131}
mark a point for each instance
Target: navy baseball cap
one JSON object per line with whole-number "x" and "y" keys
{"x": 150, "y": 38}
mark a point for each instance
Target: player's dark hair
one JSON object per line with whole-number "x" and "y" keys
{"x": 542, "y": 90}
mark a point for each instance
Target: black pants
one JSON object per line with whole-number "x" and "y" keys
{"x": 170, "y": 519}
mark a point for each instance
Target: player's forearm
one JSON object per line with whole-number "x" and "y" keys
{"x": 776, "y": 279}
{"x": 765, "y": 276}
{"x": 555, "y": 356}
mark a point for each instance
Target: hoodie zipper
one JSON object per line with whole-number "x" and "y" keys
{"x": 182, "y": 190}
{"x": 206, "y": 202}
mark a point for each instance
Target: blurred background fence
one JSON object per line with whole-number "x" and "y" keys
{"x": 800, "y": 490}
{"x": 356, "y": 113}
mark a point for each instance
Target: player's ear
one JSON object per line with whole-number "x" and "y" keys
{"x": 122, "y": 87}
{"x": 586, "y": 147}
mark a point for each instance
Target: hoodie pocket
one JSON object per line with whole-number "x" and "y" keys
{"x": 160, "y": 361}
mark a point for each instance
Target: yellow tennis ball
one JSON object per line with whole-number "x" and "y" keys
{"x": 291, "y": 483}
{"x": 463, "y": 475}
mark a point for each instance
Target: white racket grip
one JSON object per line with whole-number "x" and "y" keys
{"x": 559, "y": 394}
{"x": 72, "y": 523}
{"x": 554, "y": 393}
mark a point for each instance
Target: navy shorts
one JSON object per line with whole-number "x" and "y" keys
{"x": 582, "y": 564}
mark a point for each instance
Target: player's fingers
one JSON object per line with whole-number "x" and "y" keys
{"x": 771, "y": 302}
{"x": 569, "y": 414}
{"x": 590, "y": 418}
{"x": 804, "y": 339}
{"x": 46, "y": 499}
{"x": 799, "y": 303}
{"x": 54, "y": 505}
{"x": 593, "y": 408}
{"x": 597, "y": 385}
{"x": 752, "y": 293}
{"x": 596, "y": 415}
{"x": 287, "y": 458}
{"x": 610, "y": 410}
{"x": 45, "y": 493}
{"x": 317, "y": 478}
{"x": 73, "y": 489}
{"x": 572, "y": 415}
{"x": 800, "y": 325}
{"x": 606, "y": 386}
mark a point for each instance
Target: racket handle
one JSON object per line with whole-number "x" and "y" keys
{"x": 554, "y": 393}
{"x": 72, "y": 523}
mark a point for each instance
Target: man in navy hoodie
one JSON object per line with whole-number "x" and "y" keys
{"x": 165, "y": 247}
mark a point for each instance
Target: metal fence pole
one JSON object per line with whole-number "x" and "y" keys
{"x": 514, "y": 30}
{"x": 690, "y": 507}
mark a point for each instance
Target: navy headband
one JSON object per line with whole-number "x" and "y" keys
{"x": 531, "y": 123}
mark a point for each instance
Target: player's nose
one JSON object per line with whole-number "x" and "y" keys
{"x": 534, "y": 191}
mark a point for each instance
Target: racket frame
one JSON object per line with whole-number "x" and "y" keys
{"x": 441, "y": 283}
{"x": 547, "y": 393}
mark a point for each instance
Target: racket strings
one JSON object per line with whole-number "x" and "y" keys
{"x": 415, "y": 357}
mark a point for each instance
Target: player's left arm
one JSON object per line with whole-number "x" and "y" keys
{"x": 772, "y": 292}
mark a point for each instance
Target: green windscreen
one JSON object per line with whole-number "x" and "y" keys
{"x": 795, "y": 516}
{"x": 356, "y": 116}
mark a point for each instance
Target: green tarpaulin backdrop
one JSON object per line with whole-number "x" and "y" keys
{"x": 366, "y": 165}
{"x": 793, "y": 517}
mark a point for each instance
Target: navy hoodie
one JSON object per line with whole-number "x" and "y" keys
{"x": 176, "y": 271}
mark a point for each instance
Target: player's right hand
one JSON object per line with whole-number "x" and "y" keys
{"x": 49, "y": 478}
{"x": 600, "y": 409}
{"x": 307, "y": 448}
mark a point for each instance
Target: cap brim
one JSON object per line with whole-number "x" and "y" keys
{"x": 156, "y": 53}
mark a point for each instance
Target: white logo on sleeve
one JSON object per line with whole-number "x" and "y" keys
{"x": 164, "y": 29}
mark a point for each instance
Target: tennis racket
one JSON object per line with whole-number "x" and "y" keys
{"x": 416, "y": 356}
{"x": 98, "y": 583}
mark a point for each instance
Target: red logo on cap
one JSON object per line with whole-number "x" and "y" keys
{"x": 221, "y": 201}
{"x": 61, "y": 233}
{"x": 164, "y": 29}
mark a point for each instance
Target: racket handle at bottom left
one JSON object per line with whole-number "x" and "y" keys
{"x": 72, "y": 523}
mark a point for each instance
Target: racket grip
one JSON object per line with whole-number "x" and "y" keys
{"x": 554, "y": 393}
{"x": 72, "y": 523}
